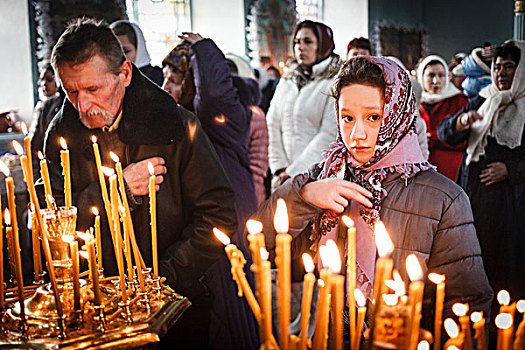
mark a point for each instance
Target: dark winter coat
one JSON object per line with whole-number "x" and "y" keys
{"x": 498, "y": 209}
{"x": 439, "y": 231}
{"x": 194, "y": 197}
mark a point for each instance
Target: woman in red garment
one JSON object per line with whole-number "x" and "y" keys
{"x": 439, "y": 99}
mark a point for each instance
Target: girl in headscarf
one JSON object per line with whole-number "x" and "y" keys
{"x": 134, "y": 45}
{"x": 374, "y": 171}
{"x": 301, "y": 120}
{"x": 439, "y": 99}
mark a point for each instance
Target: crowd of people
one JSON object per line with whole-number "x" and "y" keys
{"x": 441, "y": 164}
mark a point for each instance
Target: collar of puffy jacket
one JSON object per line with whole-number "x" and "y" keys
{"x": 146, "y": 105}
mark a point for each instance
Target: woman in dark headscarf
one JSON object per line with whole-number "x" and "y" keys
{"x": 301, "y": 119}
{"x": 374, "y": 171}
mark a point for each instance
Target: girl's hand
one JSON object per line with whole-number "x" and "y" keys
{"x": 192, "y": 38}
{"x": 334, "y": 194}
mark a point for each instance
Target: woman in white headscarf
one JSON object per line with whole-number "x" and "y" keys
{"x": 439, "y": 99}
{"x": 134, "y": 45}
{"x": 493, "y": 168}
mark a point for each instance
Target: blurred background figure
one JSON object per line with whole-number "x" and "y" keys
{"x": 359, "y": 46}
{"x": 47, "y": 83}
{"x": 134, "y": 45}
{"x": 222, "y": 101}
{"x": 301, "y": 119}
{"x": 439, "y": 99}
{"x": 273, "y": 72}
{"x": 475, "y": 68}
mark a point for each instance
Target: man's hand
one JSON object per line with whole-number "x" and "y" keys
{"x": 334, "y": 194}
{"x": 192, "y": 38}
{"x": 137, "y": 175}
{"x": 494, "y": 173}
{"x": 465, "y": 120}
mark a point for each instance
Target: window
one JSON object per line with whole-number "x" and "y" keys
{"x": 309, "y": 9}
{"x": 161, "y": 22}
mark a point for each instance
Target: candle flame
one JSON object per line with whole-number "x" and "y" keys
{"x": 521, "y": 306}
{"x": 114, "y": 157}
{"x": 476, "y": 316}
{"x": 221, "y": 236}
{"x": 281, "y": 64}
{"x": 93, "y": 139}
{"x": 414, "y": 268}
{"x": 347, "y": 221}
{"x": 335, "y": 257}
{"x": 254, "y": 226}
{"x": 383, "y": 241}
{"x": 320, "y": 283}
{"x": 31, "y": 207}
{"x": 264, "y": 254}
{"x": 84, "y": 236}
{"x": 94, "y": 210}
{"x": 453, "y": 347}
{"x": 280, "y": 219}
{"x": 359, "y": 297}
{"x": 40, "y": 155}
{"x": 107, "y": 171}
{"x": 423, "y": 345}
{"x": 68, "y": 238}
{"x": 7, "y": 217}
{"x": 4, "y": 168}
{"x": 51, "y": 199}
{"x": 63, "y": 143}
{"x": 18, "y": 147}
{"x": 390, "y": 299}
{"x": 451, "y": 327}
{"x": 83, "y": 254}
{"x": 323, "y": 253}
{"x": 436, "y": 278}
{"x": 122, "y": 210}
{"x": 503, "y": 297}
{"x": 396, "y": 286}
{"x": 192, "y": 130}
{"x": 504, "y": 321}
{"x": 460, "y": 309}
{"x": 308, "y": 263}
{"x": 220, "y": 119}
{"x": 401, "y": 284}
{"x": 24, "y": 128}
{"x": 151, "y": 169}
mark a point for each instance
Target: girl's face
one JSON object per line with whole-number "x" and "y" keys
{"x": 305, "y": 46}
{"x": 434, "y": 78}
{"x": 360, "y": 117}
{"x": 173, "y": 82}
{"x": 129, "y": 50}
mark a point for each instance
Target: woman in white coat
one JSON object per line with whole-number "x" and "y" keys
{"x": 301, "y": 119}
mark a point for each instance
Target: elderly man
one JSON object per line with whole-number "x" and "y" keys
{"x": 492, "y": 171}
{"x": 109, "y": 98}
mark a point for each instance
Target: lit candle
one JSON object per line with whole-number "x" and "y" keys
{"x": 98, "y": 236}
{"x": 383, "y": 268}
{"x": 308, "y": 286}
{"x": 11, "y": 232}
{"x": 90, "y": 250}
{"x": 439, "y": 280}
{"x": 452, "y": 330}
{"x": 504, "y": 324}
{"x": 415, "y": 296}
{"x": 153, "y": 218}
{"x": 361, "y": 313}
{"x": 323, "y": 303}
{"x": 101, "y": 179}
{"x": 283, "y": 263}
{"x": 479, "y": 327}
{"x": 519, "y": 342}
{"x": 266, "y": 299}
{"x": 24, "y": 161}
{"x": 73, "y": 246}
{"x": 504, "y": 300}
{"x": 256, "y": 242}
{"x": 350, "y": 273}
{"x": 64, "y": 159}
{"x": 2, "y": 302}
{"x": 27, "y": 145}
{"x": 423, "y": 345}
{"x": 461, "y": 310}
{"x": 44, "y": 172}
{"x": 338, "y": 297}
{"x": 117, "y": 238}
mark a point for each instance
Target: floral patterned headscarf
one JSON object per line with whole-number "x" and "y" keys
{"x": 396, "y": 149}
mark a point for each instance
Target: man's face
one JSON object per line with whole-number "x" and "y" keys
{"x": 95, "y": 92}
{"x": 504, "y": 70}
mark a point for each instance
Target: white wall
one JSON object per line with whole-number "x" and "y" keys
{"x": 348, "y": 19}
{"x": 222, "y": 21}
{"x": 16, "y": 87}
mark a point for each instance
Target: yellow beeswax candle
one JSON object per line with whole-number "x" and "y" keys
{"x": 64, "y": 159}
